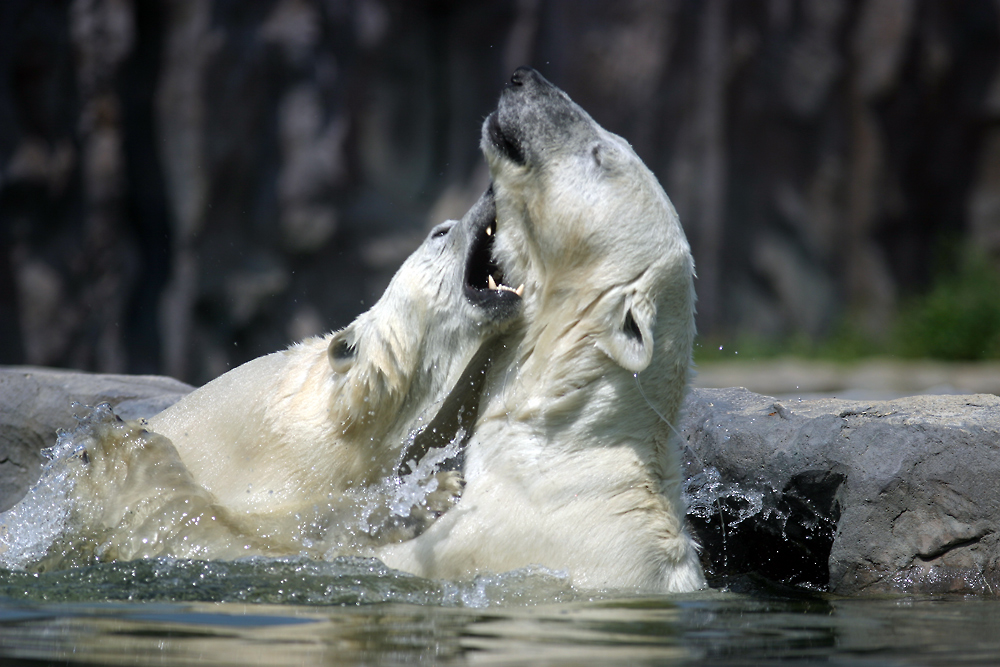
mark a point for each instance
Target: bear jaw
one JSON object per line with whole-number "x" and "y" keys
{"x": 484, "y": 277}
{"x": 408, "y": 342}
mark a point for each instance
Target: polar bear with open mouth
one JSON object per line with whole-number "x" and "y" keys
{"x": 574, "y": 461}
{"x": 295, "y": 427}
{"x": 316, "y": 450}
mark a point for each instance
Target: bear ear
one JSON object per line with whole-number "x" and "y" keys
{"x": 342, "y": 351}
{"x": 630, "y": 340}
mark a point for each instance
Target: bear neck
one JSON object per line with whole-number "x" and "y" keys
{"x": 564, "y": 393}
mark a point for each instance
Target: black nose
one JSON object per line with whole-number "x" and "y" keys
{"x": 523, "y": 75}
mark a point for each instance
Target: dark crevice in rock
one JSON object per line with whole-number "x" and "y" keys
{"x": 951, "y": 546}
{"x": 788, "y": 540}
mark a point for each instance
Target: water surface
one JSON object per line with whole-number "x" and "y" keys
{"x": 355, "y": 611}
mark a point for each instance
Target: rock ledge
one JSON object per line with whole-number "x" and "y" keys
{"x": 851, "y": 496}
{"x": 843, "y": 495}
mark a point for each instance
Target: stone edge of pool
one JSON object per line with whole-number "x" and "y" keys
{"x": 874, "y": 496}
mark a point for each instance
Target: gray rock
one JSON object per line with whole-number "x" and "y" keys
{"x": 842, "y": 495}
{"x": 36, "y": 402}
{"x": 852, "y": 497}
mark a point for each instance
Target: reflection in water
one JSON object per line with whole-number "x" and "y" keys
{"x": 354, "y": 611}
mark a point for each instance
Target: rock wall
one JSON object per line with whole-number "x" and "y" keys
{"x": 187, "y": 184}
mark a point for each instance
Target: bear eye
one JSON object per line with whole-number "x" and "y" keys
{"x": 596, "y": 153}
{"x": 442, "y": 229}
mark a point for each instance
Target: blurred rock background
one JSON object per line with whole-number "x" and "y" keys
{"x": 187, "y": 184}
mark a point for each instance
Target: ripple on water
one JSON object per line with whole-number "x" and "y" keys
{"x": 347, "y": 580}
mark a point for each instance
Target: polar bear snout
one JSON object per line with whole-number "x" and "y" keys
{"x": 528, "y": 81}
{"x": 534, "y": 118}
{"x": 522, "y": 74}
{"x": 504, "y": 127}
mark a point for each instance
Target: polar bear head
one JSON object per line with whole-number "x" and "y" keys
{"x": 337, "y": 412}
{"x": 580, "y": 214}
{"x": 401, "y": 356}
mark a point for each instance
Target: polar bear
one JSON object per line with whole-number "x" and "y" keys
{"x": 296, "y": 427}
{"x": 574, "y": 463}
{"x": 290, "y": 453}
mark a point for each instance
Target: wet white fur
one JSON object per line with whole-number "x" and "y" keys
{"x": 570, "y": 466}
{"x": 297, "y": 427}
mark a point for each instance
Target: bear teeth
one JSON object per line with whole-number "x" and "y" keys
{"x": 493, "y": 286}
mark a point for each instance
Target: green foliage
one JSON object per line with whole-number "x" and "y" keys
{"x": 846, "y": 343}
{"x": 958, "y": 319}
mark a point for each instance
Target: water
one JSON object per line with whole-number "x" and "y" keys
{"x": 355, "y": 611}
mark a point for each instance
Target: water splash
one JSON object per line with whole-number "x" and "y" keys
{"x": 705, "y": 492}
{"x": 112, "y": 490}
{"x": 42, "y": 517}
{"x": 402, "y": 506}
{"x": 101, "y": 482}
{"x": 784, "y": 532}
